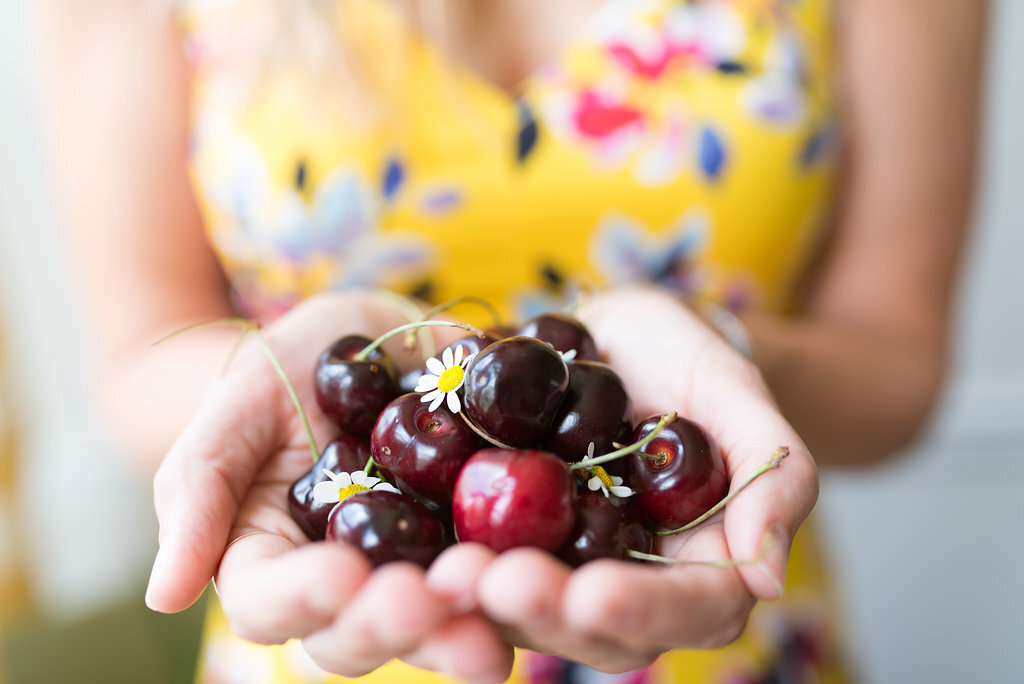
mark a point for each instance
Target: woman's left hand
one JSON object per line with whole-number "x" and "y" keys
{"x": 617, "y": 616}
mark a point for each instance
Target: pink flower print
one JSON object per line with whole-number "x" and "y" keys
{"x": 645, "y": 66}
{"x": 597, "y": 116}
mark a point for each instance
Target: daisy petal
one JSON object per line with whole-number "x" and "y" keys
{"x": 454, "y": 404}
{"x": 435, "y": 366}
{"x": 459, "y": 351}
{"x": 426, "y": 383}
{"x": 436, "y": 402}
{"x": 448, "y": 357}
{"x": 326, "y": 492}
{"x": 431, "y": 396}
{"x": 385, "y": 487}
{"x": 468, "y": 360}
{"x": 593, "y": 484}
{"x": 622, "y": 492}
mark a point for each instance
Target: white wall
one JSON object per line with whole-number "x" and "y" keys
{"x": 929, "y": 551}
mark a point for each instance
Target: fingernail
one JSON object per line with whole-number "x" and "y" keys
{"x": 156, "y": 578}
{"x": 774, "y": 556}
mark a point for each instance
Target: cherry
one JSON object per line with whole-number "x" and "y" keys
{"x": 345, "y": 454}
{"x": 686, "y": 479}
{"x": 514, "y": 388}
{"x": 596, "y": 409}
{"x": 353, "y": 392}
{"x": 564, "y": 333}
{"x": 387, "y": 527}
{"x": 506, "y": 498}
{"x": 597, "y": 532}
{"x": 423, "y": 450}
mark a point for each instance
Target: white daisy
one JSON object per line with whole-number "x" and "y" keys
{"x": 342, "y": 485}
{"x": 600, "y": 479}
{"x": 568, "y": 356}
{"x": 444, "y": 378}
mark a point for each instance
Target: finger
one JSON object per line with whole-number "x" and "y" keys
{"x": 466, "y": 648}
{"x": 198, "y": 488}
{"x": 392, "y": 614}
{"x": 271, "y": 591}
{"x": 653, "y": 609}
{"x": 456, "y": 573}
{"x": 761, "y": 521}
{"x": 522, "y": 590}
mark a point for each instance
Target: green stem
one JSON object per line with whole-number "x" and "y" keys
{"x": 248, "y": 327}
{"x": 625, "y": 451}
{"x": 772, "y": 464}
{"x": 728, "y": 563}
{"x": 370, "y": 465}
{"x": 291, "y": 393}
{"x": 370, "y": 348}
{"x": 410, "y": 341}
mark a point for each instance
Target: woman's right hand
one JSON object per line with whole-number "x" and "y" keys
{"x": 221, "y": 501}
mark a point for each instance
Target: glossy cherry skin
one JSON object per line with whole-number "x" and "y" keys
{"x": 386, "y": 527}
{"x": 422, "y": 450}
{"x": 596, "y": 409}
{"x": 514, "y": 388}
{"x": 353, "y": 393}
{"x": 506, "y": 498}
{"x": 687, "y": 480}
{"x": 605, "y": 527}
{"x": 345, "y": 454}
{"x": 564, "y": 333}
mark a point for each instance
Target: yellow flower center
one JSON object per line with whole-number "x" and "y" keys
{"x": 602, "y": 475}
{"x": 450, "y": 379}
{"x": 350, "y": 490}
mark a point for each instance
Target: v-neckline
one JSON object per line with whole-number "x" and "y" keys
{"x": 512, "y": 95}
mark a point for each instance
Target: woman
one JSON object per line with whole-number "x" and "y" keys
{"x": 805, "y": 163}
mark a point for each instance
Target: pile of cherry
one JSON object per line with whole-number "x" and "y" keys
{"x": 498, "y": 442}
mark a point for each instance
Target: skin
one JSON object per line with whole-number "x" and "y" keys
{"x": 872, "y": 331}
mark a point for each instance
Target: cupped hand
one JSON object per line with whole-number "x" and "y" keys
{"x": 221, "y": 500}
{"x": 615, "y": 615}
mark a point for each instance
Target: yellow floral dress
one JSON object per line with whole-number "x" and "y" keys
{"x": 690, "y": 144}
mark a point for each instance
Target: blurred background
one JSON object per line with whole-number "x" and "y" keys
{"x": 928, "y": 551}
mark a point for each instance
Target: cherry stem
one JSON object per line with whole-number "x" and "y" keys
{"x": 410, "y": 340}
{"x": 370, "y": 465}
{"x": 483, "y": 433}
{"x": 728, "y": 563}
{"x": 253, "y": 327}
{"x": 370, "y": 348}
{"x": 625, "y": 451}
{"x": 776, "y": 459}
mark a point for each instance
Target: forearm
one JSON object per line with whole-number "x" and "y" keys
{"x": 853, "y": 395}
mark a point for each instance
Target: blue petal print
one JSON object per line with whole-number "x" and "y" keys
{"x": 815, "y": 147}
{"x": 712, "y": 153}
{"x": 440, "y": 201}
{"x": 394, "y": 175}
{"x": 526, "y": 139}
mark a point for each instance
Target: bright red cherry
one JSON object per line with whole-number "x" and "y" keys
{"x": 506, "y": 498}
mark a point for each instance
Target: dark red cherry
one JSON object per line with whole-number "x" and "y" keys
{"x": 596, "y": 409}
{"x": 599, "y": 530}
{"x": 506, "y": 498}
{"x": 353, "y": 393}
{"x": 686, "y": 479}
{"x": 422, "y": 450}
{"x": 386, "y": 527}
{"x": 564, "y": 333}
{"x": 345, "y": 454}
{"x": 514, "y": 389}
